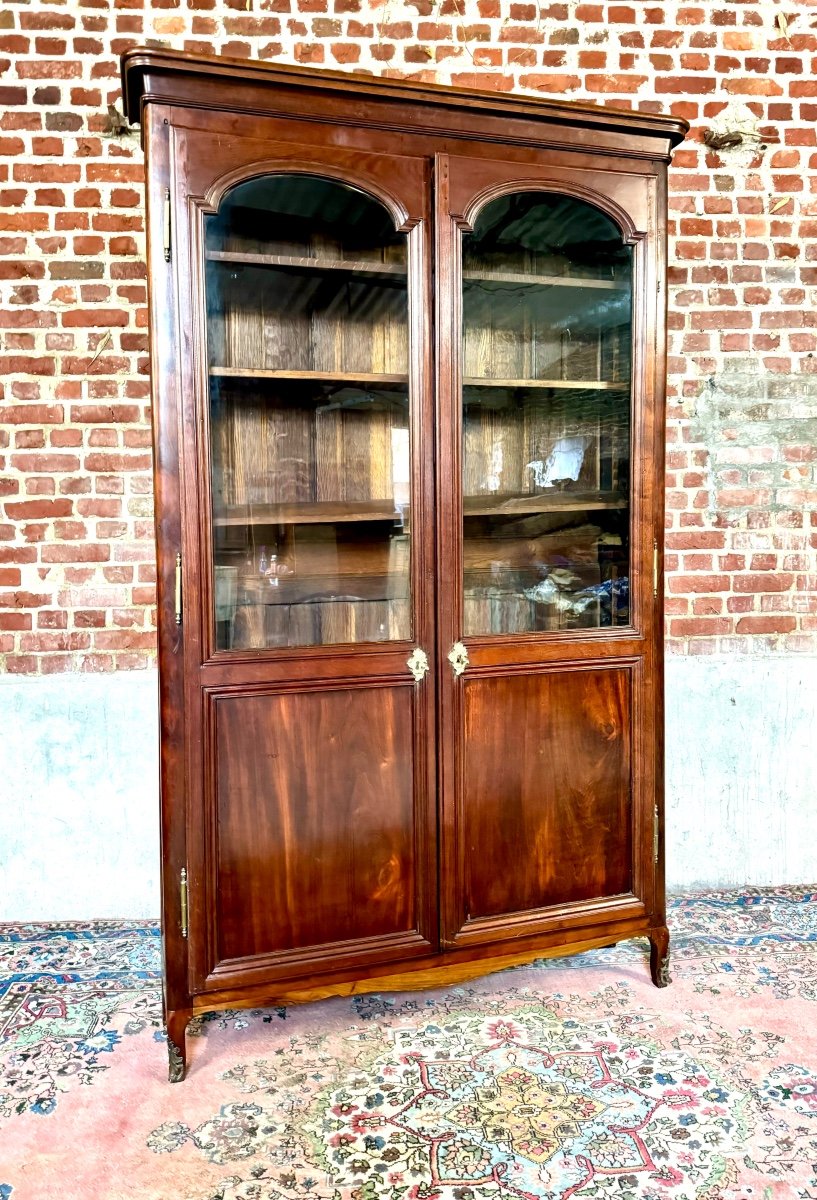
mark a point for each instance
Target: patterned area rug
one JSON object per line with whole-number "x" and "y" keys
{"x": 570, "y": 1078}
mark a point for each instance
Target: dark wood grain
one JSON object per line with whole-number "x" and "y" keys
{"x": 217, "y": 81}
{"x": 546, "y": 799}
{"x": 341, "y": 826}
{"x": 313, "y": 848}
{"x": 509, "y": 663}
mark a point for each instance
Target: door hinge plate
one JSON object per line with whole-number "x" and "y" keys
{"x": 177, "y": 592}
{"x": 183, "y": 902}
{"x": 655, "y": 569}
{"x": 655, "y": 833}
{"x": 166, "y": 233}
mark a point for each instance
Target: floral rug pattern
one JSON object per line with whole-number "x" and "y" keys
{"x": 568, "y": 1078}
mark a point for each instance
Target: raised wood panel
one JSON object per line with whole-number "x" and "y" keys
{"x": 315, "y": 819}
{"x": 546, "y": 796}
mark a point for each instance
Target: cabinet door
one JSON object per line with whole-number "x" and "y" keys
{"x": 304, "y": 280}
{"x": 548, "y": 619}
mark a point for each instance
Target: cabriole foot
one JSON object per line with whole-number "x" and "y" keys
{"x": 176, "y": 1047}
{"x": 659, "y": 956}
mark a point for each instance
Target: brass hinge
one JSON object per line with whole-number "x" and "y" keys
{"x": 183, "y": 900}
{"x": 166, "y": 225}
{"x": 655, "y": 568}
{"x": 178, "y": 588}
{"x": 655, "y": 824}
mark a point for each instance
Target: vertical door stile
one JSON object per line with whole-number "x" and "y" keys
{"x": 448, "y": 326}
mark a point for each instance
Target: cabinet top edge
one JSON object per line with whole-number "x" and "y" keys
{"x": 142, "y": 60}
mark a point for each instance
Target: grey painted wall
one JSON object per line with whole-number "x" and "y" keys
{"x": 741, "y": 778}
{"x": 79, "y": 785}
{"x": 79, "y": 808}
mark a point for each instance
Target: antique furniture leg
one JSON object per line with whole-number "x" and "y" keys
{"x": 659, "y": 956}
{"x": 176, "y": 1057}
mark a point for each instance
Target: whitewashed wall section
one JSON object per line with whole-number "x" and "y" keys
{"x": 79, "y": 824}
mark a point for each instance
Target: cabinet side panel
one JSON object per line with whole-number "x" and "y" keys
{"x": 547, "y": 798}
{"x": 315, "y": 820}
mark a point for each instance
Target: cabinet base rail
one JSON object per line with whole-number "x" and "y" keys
{"x": 409, "y": 978}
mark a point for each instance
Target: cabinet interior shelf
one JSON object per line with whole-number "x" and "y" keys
{"x": 334, "y": 512}
{"x": 364, "y": 267}
{"x": 596, "y": 385}
{"x": 378, "y": 377}
{"x": 503, "y": 506}
{"x": 326, "y": 512}
{"x": 374, "y": 377}
{"x": 350, "y": 266}
{"x": 524, "y": 279}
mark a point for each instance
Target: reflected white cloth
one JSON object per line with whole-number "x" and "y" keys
{"x": 564, "y": 461}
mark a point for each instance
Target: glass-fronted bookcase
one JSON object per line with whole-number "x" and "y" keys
{"x": 407, "y": 353}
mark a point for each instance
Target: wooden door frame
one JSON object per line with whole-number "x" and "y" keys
{"x": 197, "y": 182}
{"x": 631, "y": 194}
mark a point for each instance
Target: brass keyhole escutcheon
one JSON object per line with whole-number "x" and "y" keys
{"x": 458, "y": 657}
{"x": 418, "y": 664}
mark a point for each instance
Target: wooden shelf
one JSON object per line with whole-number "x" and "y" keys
{"x": 595, "y": 385}
{"x": 555, "y": 502}
{"x": 307, "y": 376}
{"x": 398, "y": 270}
{"x": 584, "y": 385}
{"x": 306, "y": 513}
{"x": 334, "y": 512}
{"x": 526, "y": 280}
{"x": 329, "y": 588}
{"x": 350, "y": 266}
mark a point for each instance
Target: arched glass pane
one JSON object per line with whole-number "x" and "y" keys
{"x": 547, "y": 317}
{"x": 309, "y": 416}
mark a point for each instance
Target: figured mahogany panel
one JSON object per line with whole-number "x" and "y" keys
{"x": 315, "y": 820}
{"x": 546, "y": 805}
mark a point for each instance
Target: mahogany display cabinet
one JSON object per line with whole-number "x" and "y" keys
{"x": 408, "y": 403}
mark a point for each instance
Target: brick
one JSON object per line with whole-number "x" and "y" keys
{"x": 49, "y": 642}
{"x": 699, "y": 583}
{"x": 26, "y": 509}
{"x": 118, "y": 462}
{"x": 687, "y": 85}
{"x": 103, "y": 318}
{"x": 780, "y": 582}
{"x": 29, "y": 414}
{"x": 768, "y": 624}
{"x": 797, "y": 454}
{"x": 22, "y": 600}
{"x": 78, "y": 552}
{"x": 56, "y": 463}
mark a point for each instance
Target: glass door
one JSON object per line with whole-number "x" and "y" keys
{"x": 546, "y": 348}
{"x": 312, "y": 828}
{"x": 307, "y": 333}
{"x": 545, "y": 803}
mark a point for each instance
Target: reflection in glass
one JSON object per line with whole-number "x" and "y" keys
{"x": 547, "y": 317}
{"x": 309, "y": 416}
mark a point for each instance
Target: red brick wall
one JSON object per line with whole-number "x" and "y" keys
{"x": 76, "y": 556}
